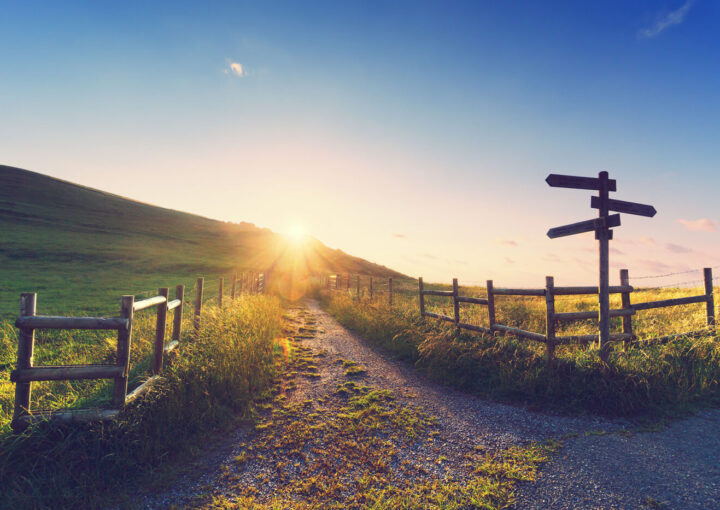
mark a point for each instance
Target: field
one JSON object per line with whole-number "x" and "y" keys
{"x": 80, "y": 249}
{"x": 646, "y": 380}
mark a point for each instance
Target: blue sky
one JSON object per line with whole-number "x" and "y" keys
{"x": 415, "y": 134}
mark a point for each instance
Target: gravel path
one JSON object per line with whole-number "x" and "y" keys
{"x": 678, "y": 467}
{"x": 600, "y": 465}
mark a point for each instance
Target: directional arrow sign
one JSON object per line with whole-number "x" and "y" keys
{"x": 584, "y": 226}
{"x": 625, "y": 207}
{"x": 572, "y": 181}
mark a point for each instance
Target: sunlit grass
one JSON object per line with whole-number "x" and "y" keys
{"x": 644, "y": 380}
{"x": 211, "y": 380}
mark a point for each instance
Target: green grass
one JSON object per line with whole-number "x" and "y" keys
{"x": 81, "y": 249}
{"x": 644, "y": 381}
{"x": 212, "y": 381}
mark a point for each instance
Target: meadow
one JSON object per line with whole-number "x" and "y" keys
{"x": 211, "y": 381}
{"x": 643, "y": 381}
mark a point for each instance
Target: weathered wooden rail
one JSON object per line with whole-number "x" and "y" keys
{"x": 374, "y": 288}
{"x": 28, "y": 321}
{"x": 550, "y": 338}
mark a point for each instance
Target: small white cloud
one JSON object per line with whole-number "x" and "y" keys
{"x": 235, "y": 68}
{"x": 699, "y": 225}
{"x": 666, "y": 21}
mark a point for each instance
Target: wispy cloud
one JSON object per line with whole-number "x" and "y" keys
{"x": 676, "y": 248}
{"x": 235, "y": 68}
{"x": 509, "y": 260}
{"x": 699, "y": 225}
{"x": 665, "y": 21}
{"x": 508, "y": 242}
{"x": 648, "y": 241}
{"x": 399, "y": 236}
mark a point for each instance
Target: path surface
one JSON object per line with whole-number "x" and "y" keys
{"x": 677, "y": 468}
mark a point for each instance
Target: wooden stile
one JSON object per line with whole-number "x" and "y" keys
{"x": 160, "y": 326}
{"x": 422, "y": 297}
{"x": 26, "y": 346}
{"x": 124, "y": 341}
{"x": 550, "y": 320}
{"x": 177, "y": 313}
{"x": 198, "y": 304}
{"x": 710, "y": 306}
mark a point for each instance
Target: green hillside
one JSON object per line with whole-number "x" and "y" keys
{"x": 82, "y": 248}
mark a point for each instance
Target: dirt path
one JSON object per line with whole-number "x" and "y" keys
{"x": 348, "y": 421}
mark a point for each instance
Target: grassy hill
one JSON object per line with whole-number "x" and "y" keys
{"x": 82, "y": 248}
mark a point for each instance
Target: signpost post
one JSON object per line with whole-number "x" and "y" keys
{"x": 603, "y": 233}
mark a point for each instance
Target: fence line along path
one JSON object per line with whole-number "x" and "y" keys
{"x": 28, "y": 321}
{"x": 550, "y": 338}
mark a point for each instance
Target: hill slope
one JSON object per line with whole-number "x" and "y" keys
{"x": 81, "y": 248}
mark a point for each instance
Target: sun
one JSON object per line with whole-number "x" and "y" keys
{"x": 296, "y": 233}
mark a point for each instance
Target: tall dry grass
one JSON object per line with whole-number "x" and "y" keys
{"x": 645, "y": 380}
{"x": 211, "y": 382}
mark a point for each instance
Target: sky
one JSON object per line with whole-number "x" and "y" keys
{"x": 413, "y": 134}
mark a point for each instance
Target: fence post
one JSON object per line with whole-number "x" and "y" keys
{"x": 198, "y": 303}
{"x": 124, "y": 341}
{"x": 491, "y": 305}
{"x": 177, "y": 313}
{"x": 220, "y": 293}
{"x": 456, "y": 303}
{"x": 550, "y": 320}
{"x": 160, "y": 331}
{"x": 358, "y": 286}
{"x": 371, "y": 289}
{"x": 337, "y": 281}
{"x": 709, "y": 293}
{"x": 348, "y": 282}
{"x": 390, "y": 291}
{"x": 234, "y": 284}
{"x": 422, "y": 297}
{"x": 26, "y": 345}
{"x": 625, "y": 300}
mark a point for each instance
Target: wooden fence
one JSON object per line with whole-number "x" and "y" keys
{"x": 373, "y": 287}
{"x": 552, "y": 317}
{"x": 28, "y": 321}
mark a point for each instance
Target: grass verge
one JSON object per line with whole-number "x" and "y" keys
{"x": 210, "y": 383}
{"x": 645, "y": 381}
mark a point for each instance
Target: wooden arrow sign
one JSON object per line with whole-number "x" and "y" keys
{"x": 625, "y": 207}
{"x": 572, "y": 181}
{"x": 584, "y": 226}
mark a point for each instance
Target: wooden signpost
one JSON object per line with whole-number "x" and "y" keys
{"x": 602, "y": 225}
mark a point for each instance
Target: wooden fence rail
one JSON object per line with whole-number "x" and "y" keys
{"x": 552, "y": 317}
{"x": 343, "y": 282}
{"x": 28, "y": 321}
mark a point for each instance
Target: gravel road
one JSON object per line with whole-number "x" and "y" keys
{"x": 601, "y": 465}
